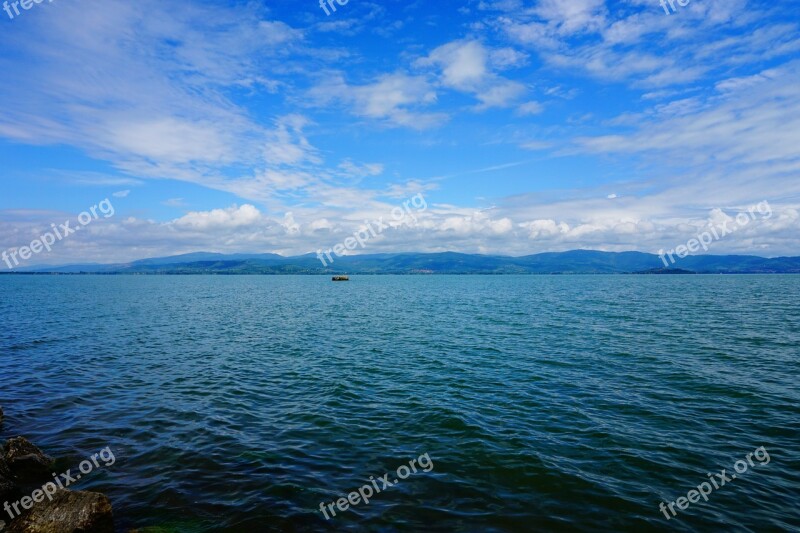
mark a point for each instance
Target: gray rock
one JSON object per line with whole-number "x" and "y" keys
{"x": 26, "y": 462}
{"x": 69, "y": 512}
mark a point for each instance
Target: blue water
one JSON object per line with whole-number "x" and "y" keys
{"x": 545, "y": 403}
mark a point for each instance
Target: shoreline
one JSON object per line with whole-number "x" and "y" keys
{"x": 35, "y": 500}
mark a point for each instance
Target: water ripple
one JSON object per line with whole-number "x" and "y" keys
{"x": 546, "y": 403}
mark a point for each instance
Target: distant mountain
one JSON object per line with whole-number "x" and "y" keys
{"x": 572, "y": 262}
{"x": 198, "y": 257}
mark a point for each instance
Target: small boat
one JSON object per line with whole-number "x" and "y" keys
{"x": 341, "y": 278}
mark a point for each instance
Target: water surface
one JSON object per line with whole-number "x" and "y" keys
{"x": 545, "y": 402}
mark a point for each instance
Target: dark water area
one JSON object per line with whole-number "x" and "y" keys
{"x": 545, "y": 403}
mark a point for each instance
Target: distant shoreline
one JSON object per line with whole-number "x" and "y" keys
{"x": 686, "y": 273}
{"x": 552, "y": 263}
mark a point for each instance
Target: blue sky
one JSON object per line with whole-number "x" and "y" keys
{"x": 528, "y": 126}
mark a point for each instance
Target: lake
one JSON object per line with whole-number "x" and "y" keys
{"x": 243, "y": 403}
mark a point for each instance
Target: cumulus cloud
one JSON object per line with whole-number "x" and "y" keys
{"x": 504, "y": 229}
{"x": 232, "y": 217}
{"x": 465, "y": 66}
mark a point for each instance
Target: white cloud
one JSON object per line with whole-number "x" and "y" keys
{"x": 174, "y": 202}
{"x": 275, "y": 32}
{"x": 582, "y": 35}
{"x": 464, "y": 66}
{"x": 536, "y": 145}
{"x": 506, "y": 58}
{"x": 573, "y": 16}
{"x": 287, "y": 145}
{"x": 232, "y": 217}
{"x": 395, "y": 98}
{"x": 530, "y": 108}
{"x": 740, "y": 126}
{"x": 169, "y": 139}
{"x": 516, "y": 226}
{"x": 154, "y": 101}
{"x": 351, "y": 169}
{"x": 168, "y": 97}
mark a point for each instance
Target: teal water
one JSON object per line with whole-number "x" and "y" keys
{"x": 549, "y": 403}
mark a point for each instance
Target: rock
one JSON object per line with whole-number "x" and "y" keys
{"x": 5, "y": 472}
{"x": 69, "y": 512}
{"x": 8, "y": 488}
{"x": 27, "y": 463}
{"x": 1, "y": 415}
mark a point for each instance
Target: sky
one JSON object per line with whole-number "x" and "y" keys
{"x": 283, "y": 126}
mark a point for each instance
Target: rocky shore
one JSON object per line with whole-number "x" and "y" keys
{"x": 24, "y": 470}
